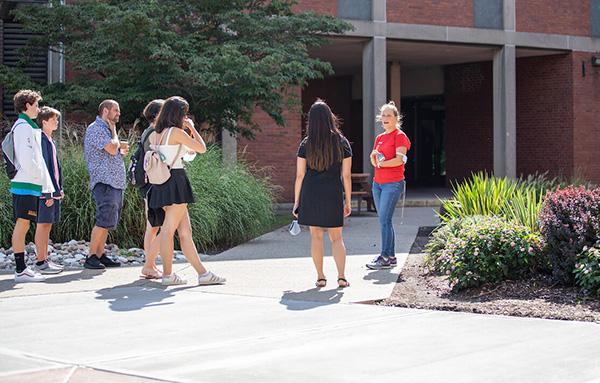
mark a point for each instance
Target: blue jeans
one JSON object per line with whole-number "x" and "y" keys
{"x": 386, "y": 197}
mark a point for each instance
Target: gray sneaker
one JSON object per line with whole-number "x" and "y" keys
{"x": 48, "y": 267}
{"x": 380, "y": 263}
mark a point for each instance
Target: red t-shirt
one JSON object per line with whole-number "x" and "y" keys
{"x": 387, "y": 143}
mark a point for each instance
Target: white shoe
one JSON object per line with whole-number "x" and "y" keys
{"x": 172, "y": 280}
{"x": 209, "y": 278}
{"x": 28, "y": 275}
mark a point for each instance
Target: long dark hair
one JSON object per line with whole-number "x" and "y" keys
{"x": 323, "y": 143}
{"x": 172, "y": 114}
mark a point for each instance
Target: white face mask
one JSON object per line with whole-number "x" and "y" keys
{"x": 294, "y": 228}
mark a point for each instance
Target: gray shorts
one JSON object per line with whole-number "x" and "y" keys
{"x": 109, "y": 203}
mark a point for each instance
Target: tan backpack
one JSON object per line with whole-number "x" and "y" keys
{"x": 157, "y": 170}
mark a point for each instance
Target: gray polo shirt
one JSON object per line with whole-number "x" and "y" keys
{"x": 102, "y": 166}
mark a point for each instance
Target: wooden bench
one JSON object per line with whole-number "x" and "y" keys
{"x": 361, "y": 190}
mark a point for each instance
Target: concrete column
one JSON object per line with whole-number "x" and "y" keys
{"x": 379, "y": 10}
{"x": 505, "y": 112}
{"x": 374, "y": 92}
{"x": 229, "y": 148}
{"x": 395, "y": 82}
{"x": 509, "y": 15}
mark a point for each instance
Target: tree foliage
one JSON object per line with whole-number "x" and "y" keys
{"x": 226, "y": 57}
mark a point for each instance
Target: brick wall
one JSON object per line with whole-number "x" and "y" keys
{"x": 275, "y": 147}
{"x": 545, "y": 115}
{"x": 325, "y": 7}
{"x": 569, "y": 17}
{"x": 586, "y": 129}
{"x": 457, "y": 13}
{"x": 469, "y": 119}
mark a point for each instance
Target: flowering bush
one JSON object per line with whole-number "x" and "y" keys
{"x": 483, "y": 249}
{"x": 587, "y": 269}
{"x": 569, "y": 221}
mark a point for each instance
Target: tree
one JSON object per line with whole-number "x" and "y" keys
{"x": 226, "y": 57}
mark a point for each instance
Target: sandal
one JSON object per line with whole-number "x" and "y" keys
{"x": 151, "y": 274}
{"x": 321, "y": 282}
{"x": 344, "y": 283}
{"x": 172, "y": 280}
{"x": 209, "y": 278}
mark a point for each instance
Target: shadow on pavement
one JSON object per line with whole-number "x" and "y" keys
{"x": 137, "y": 295}
{"x": 9, "y": 284}
{"x": 381, "y": 277}
{"x": 310, "y": 299}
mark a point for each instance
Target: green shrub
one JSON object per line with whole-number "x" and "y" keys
{"x": 483, "y": 249}
{"x": 444, "y": 234}
{"x": 231, "y": 206}
{"x": 486, "y": 195}
{"x": 587, "y": 269}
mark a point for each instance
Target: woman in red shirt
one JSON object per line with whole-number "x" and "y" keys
{"x": 388, "y": 157}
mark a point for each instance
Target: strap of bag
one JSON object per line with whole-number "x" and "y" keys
{"x": 176, "y": 156}
{"x": 166, "y": 143}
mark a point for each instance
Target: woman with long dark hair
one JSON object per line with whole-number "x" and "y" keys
{"x": 323, "y": 188}
{"x": 167, "y": 203}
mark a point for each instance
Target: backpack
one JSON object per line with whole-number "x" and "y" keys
{"x": 135, "y": 173}
{"x": 8, "y": 152}
{"x": 157, "y": 170}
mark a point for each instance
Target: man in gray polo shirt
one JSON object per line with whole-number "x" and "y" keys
{"x": 104, "y": 157}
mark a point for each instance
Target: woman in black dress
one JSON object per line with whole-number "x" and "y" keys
{"x": 321, "y": 198}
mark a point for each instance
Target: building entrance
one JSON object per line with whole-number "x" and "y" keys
{"x": 424, "y": 123}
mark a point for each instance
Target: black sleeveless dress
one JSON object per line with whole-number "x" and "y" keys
{"x": 322, "y": 195}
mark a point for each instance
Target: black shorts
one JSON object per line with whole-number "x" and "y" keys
{"x": 48, "y": 214}
{"x": 25, "y": 207}
{"x": 109, "y": 203}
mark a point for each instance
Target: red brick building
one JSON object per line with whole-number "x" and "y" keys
{"x": 507, "y": 86}
{"x": 504, "y": 86}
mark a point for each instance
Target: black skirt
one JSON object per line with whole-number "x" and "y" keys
{"x": 176, "y": 190}
{"x": 321, "y": 201}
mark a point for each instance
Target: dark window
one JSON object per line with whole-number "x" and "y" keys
{"x": 489, "y": 14}
{"x": 355, "y": 9}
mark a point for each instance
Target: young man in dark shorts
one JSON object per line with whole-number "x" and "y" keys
{"x": 31, "y": 181}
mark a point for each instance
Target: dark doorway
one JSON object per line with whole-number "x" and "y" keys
{"x": 424, "y": 123}
{"x": 336, "y": 91}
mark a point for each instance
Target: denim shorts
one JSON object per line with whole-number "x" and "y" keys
{"x": 48, "y": 214}
{"x": 109, "y": 203}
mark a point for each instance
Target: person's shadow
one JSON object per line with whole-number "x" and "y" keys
{"x": 81, "y": 275}
{"x": 310, "y": 299}
{"x": 137, "y": 295}
{"x": 382, "y": 277}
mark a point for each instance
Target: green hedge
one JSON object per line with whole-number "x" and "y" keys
{"x": 476, "y": 250}
{"x": 232, "y": 205}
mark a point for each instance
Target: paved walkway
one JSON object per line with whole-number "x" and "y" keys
{"x": 270, "y": 324}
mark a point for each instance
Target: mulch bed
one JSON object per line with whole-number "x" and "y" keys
{"x": 536, "y": 297}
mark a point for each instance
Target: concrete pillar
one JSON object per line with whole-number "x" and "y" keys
{"x": 374, "y": 92}
{"x": 509, "y": 15}
{"x": 229, "y": 148}
{"x": 505, "y": 112}
{"x": 379, "y": 10}
{"x": 395, "y": 82}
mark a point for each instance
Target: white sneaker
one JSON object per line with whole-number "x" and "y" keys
{"x": 48, "y": 267}
{"x": 172, "y": 280}
{"x": 28, "y": 275}
{"x": 209, "y": 278}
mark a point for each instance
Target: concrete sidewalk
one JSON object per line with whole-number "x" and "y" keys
{"x": 269, "y": 323}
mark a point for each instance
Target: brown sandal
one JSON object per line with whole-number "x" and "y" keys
{"x": 321, "y": 282}
{"x": 345, "y": 283}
